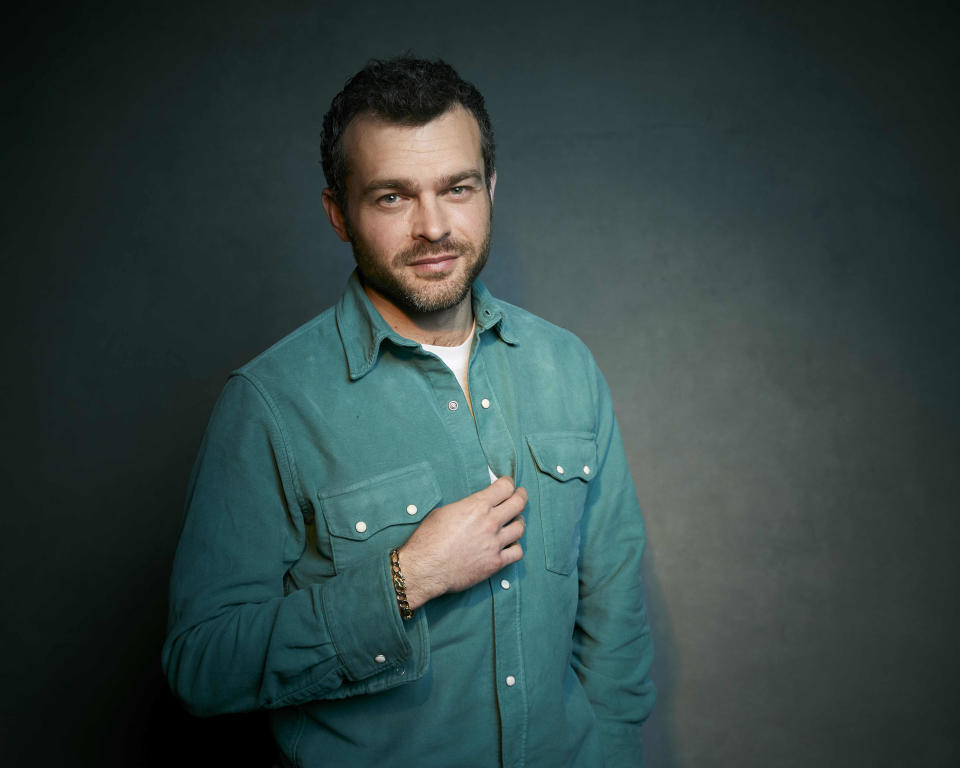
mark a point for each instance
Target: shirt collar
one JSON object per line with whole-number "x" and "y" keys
{"x": 362, "y": 328}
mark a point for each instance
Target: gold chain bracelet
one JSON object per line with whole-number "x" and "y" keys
{"x": 399, "y": 585}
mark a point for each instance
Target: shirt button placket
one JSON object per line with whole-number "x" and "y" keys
{"x": 512, "y": 702}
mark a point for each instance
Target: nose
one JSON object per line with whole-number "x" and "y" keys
{"x": 430, "y": 220}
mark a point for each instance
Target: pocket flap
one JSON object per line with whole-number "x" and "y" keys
{"x": 400, "y": 497}
{"x": 565, "y": 455}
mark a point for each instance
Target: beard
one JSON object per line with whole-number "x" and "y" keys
{"x": 419, "y": 295}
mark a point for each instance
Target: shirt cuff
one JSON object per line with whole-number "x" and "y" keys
{"x": 360, "y": 609}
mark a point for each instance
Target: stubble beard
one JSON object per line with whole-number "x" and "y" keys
{"x": 425, "y": 294}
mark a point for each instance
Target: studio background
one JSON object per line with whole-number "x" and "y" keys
{"x": 749, "y": 212}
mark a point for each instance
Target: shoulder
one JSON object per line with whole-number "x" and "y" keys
{"x": 314, "y": 345}
{"x": 533, "y": 330}
{"x": 553, "y": 358}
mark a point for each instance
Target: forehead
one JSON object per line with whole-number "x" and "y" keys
{"x": 376, "y": 148}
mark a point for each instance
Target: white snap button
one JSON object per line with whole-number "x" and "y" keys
{"x": 586, "y": 469}
{"x": 380, "y": 658}
{"x": 505, "y": 584}
{"x": 360, "y": 526}
{"x": 411, "y": 509}
{"x": 559, "y": 470}
{"x": 453, "y": 405}
{"x": 511, "y": 680}
{"x": 484, "y": 403}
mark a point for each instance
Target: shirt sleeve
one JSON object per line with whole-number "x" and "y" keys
{"x": 237, "y": 639}
{"x": 612, "y": 646}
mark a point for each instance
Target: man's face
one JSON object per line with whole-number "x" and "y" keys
{"x": 418, "y": 213}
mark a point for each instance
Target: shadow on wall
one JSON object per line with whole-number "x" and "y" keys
{"x": 659, "y": 737}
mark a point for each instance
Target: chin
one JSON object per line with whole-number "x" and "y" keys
{"x": 435, "y": 300}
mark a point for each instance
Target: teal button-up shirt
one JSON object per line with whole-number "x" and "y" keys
{"x": 327, "y": 451}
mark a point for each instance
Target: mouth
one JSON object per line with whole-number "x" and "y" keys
{"x": 434, "y": 263}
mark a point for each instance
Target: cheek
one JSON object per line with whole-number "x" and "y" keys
{"x": 383, "y": 234}
{"x": 474, "y": 221}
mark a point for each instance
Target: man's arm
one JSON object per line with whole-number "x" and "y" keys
{"x": 612, "y": 647}
{"x": 237, "y": 641}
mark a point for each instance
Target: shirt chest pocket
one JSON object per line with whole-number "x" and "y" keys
{"x": 566, "y": 463}
{"x": 377, "y": 514}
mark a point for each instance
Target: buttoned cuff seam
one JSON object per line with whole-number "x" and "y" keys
{"x": 357, "y": 664}
{"x": 296, "y": 695}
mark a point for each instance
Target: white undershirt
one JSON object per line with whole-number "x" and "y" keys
{"x": 457, "y": 359}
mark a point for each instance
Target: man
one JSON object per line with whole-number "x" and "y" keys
{"x": 411, "y": 532}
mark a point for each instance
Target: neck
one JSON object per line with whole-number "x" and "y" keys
{"x": 445, "y": 327}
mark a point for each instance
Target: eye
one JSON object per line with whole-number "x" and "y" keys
{"x": 461, "y": 190}
{"x": 390, "y": 199}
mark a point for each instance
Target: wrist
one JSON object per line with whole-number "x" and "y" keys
{"x": 417, "y": 582}
{"x": 400, "y": 586}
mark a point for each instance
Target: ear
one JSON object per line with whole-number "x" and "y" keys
{"x": 337, "y": 220}
{"x": 493, "y": 184}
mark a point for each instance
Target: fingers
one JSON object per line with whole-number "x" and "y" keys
{"x": 511, "y": 554}
{"x": 499, "y": 490}
{"x": 510, "y": 507}
{"x": 512, "y": 532}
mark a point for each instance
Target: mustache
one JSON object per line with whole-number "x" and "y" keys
{"x": 422, "y": 250}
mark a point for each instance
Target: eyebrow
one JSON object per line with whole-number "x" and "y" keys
{"x": 450, "y": 180}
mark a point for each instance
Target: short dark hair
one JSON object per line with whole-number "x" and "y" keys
{"x": 405, "y": 91}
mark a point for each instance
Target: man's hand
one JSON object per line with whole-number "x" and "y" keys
{"x": 463, "y": 543}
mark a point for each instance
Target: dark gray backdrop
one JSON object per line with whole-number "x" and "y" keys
{"x": 748, "y": 211}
